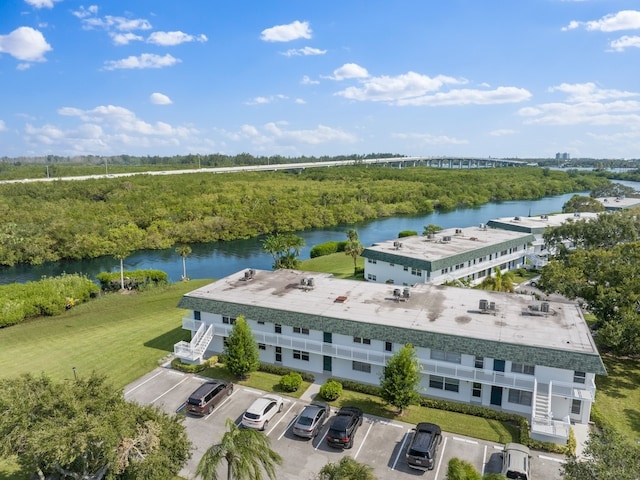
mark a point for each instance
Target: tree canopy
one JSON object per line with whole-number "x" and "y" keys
{"x": 84, "y": 429}
{"x": 353, "y": 248}
{"x": 284, "y": 248}
{"x": 247, "y": 453}
{"x": 241, "y": 350}
{"x": 400, "y": 378}
{"x": 346, "y": 469}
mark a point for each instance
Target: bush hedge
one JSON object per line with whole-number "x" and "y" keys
{"x": 291, "y": 382}
{"x": 407, "y": 233}
{"x": 331, "y": 390}
{"x": 327, "y": 248}
{"x": 133, "y": 280}
{"x": 278, "y": 370}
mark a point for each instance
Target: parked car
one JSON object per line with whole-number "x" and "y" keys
{"x": 344, "y": 427}
{"x": 261, "y": 411}
{"x": 422, "y": 450}
{"x": 311, "y": 420}
{"x": 516, "y": 461}
{"x": 207, "y": 396}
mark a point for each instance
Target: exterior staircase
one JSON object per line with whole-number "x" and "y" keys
{"x": 542, "y": 412}
{"x": 193, "y": 351}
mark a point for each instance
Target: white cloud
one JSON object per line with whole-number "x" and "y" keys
{"x": 350, "y": 70}
{"x": 465, "y": 96}
{"x": 25, "y": 43}
{"x": 428, "y": 139}
{"x": 159, "y": 99}
{"x": 586, "y": 104}
{"x": 3, "y": 127}
{"x": 265, "y": 100}
{"x": 145, "y": 60}
{"x": 300, "y": 101}
{"x": 85, "y": 12}
{"x": 307, "y": 81}
{"x": 41, "y": 3}
{"x": 277, "y": 134}
{"x": 24, "y": 66}
{"x": 303, "y": 51}
{"x": 124, "y": 38}
{"x": 502, "y": 132}
{"x": 286, "y": 33}
{"x": 110, "y": 22}
{"x": 174, "y": 38}
{"x": 626, "y": 41}
{"x": 623, "y": 20}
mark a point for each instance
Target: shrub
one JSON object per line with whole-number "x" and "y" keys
{"x": 327, "y": 248}
{"x": 331, "y": 390}
{"x": 291, "y": 382}
{"x": 358, "y": 387}
{"x": 407, "y": 233}
{"x": 135, "y": 280}
{"x": 177, "y": 364}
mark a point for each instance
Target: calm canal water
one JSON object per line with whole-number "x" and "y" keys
{"x": 219, "y": 259}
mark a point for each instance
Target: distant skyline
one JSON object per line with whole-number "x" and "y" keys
{"x": 498, "y": 78}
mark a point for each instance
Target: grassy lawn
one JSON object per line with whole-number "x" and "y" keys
{"x": 340, "y": 264}
{"x": 618, "y": 395}
{"x": 121, "y": 336}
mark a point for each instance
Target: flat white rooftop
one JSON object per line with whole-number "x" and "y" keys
{"x": 448, "y": 242}
{"x": 436, "y": 309}
{"x": 540, "y": 222}
{"x": 617, "y": 203}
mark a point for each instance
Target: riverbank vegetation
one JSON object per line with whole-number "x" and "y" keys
{"x": 48, "y": 221}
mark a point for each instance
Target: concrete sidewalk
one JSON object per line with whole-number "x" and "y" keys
{"x": 311, "y": 392}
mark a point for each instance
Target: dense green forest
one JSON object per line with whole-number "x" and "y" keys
{"x": 45, "y": 221}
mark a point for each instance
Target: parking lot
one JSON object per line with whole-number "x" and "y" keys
{"x": 379, "y": 442}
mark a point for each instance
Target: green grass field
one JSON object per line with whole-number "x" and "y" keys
{"x": 340, "y": 264}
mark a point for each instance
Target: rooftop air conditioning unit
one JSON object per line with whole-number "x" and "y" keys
{"x": 544, "y": 307}
{"x": 446, "y": 238}
{"x": 396, "y": 292}
{"x": 406, "y": 293}
{"x": 310, "y": 282}
{"x": 484, "y": 304}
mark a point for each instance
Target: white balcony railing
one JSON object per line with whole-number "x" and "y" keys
{"x": 194, "y": 350}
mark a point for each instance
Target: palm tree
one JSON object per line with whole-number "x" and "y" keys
{"x": 353, "y": 248}
{"x": 346, "y": 469}
{"x": 500, "y": 282}
{"x": 247, "y": 452}
{"x": 184, "y": 251}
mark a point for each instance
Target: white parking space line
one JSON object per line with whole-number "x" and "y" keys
{"x": 363, "y": 440}
{"x": 141, "y": 384}
{"x": 288, "y": 427}
{"x": 221, "y": 404}
{"x": 257, "y": 392}
{"x": 559, "y": 460}
{"x": 160, "y": 396}
{"x": 281, "y": 418}
{"x": 465, "y": 440}
{"x": 390, "y": 424}
{"x": 404, "y": 440}
{"x": 444, "y": 447}
{"x": 484, "y": 460}
{"x": 321, "y": 439}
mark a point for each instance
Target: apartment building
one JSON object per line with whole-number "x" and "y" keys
{"x": 452, "y": 254}
{"x": 504, "y": 351}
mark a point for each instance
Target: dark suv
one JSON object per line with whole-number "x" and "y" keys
{"x": 423, "y": 448}
{"x": 207, "y": 396}
{"x": 344, "y": 427}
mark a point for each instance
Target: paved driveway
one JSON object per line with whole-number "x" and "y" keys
{"x": 379, "y": 442}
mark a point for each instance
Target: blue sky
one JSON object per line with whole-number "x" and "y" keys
{"x": 501, "y": 78}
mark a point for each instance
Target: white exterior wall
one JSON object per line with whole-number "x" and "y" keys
{"x": 343, "y": 368}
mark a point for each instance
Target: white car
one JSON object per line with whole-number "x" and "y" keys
{"x": 261, "y": 411}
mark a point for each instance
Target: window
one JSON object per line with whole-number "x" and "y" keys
{"x": 405, "y": 268}
{"x": 416, "y": 271}
{"x": 196, "y": 315}
{"x": 302, "y": 330}
{"x": 300, "y": 355}
{"x": 392, "y": 264}
{"x": 225, "y": 342}
{"x": 446, "y": 356}
{"x": 262, "y": 346}
{"x": 523, "y": 368}
{"x": 371, "y": 260}
{"x": 476, "y": 390}
{"x": 576, "y": 406}
{"x": 365, "y": 341}
{"x": 278, "y": 328}
{"x": 579, "y": 377}
{"x": 228, "y": 320}
{"x": 443, "y": 383}
{"x": 520, "y": 397}
{"x": 371, "y": 277}
{"x": 278, "y": 354}
{"x": 479, "y": 362}
{"x": 260, "y": 322}
{"x": 361, "y": 367}
{"x": 388, "y": 347}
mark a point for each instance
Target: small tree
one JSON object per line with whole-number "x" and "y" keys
{"x": 353, "y": 248}
{"x": 241, "y": 350}
{"x": 285, "y": 249}
{"x": 400, "y": 379}
{"x": 431, "y": 229}
{"x": 184, "y": 251}
{"x": 124, "y": 240}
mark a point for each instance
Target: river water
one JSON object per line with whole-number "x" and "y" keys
{"x": 219, "y": 259}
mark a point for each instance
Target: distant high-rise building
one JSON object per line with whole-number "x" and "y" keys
{"x": 563, "y": 156}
